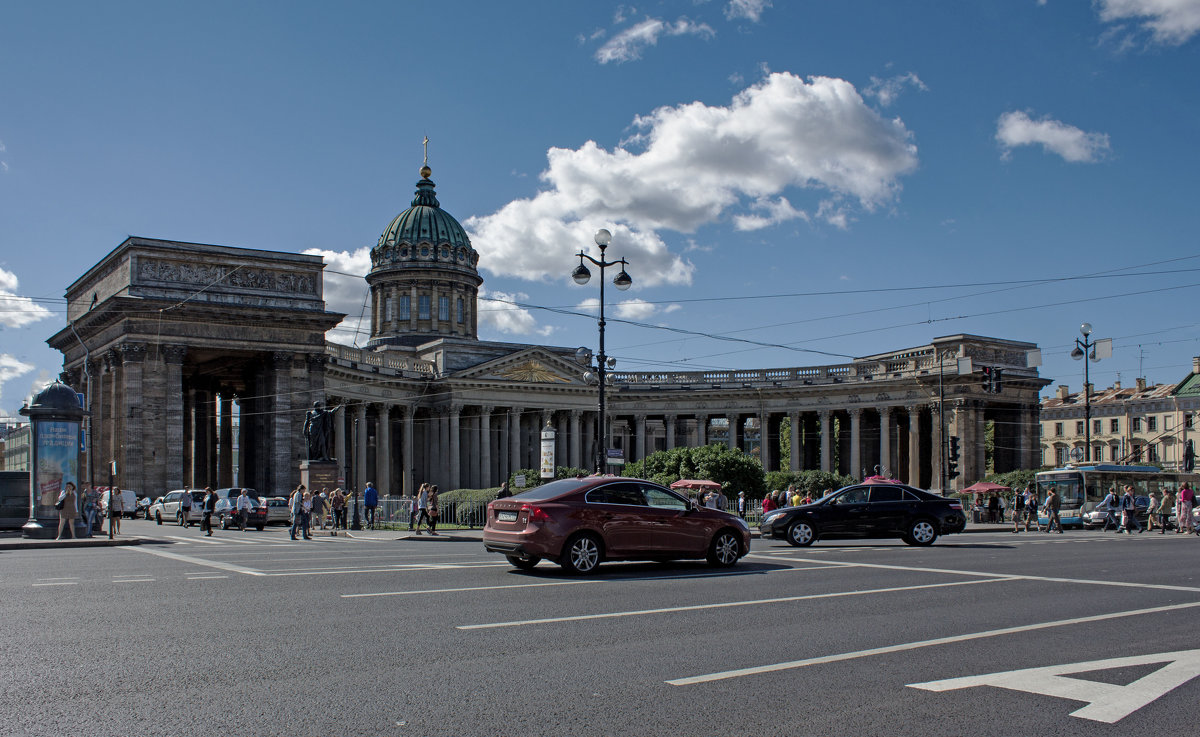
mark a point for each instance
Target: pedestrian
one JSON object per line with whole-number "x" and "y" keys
{"x": 504, "y": 493}
{"x": 1018, "y": 511}
{"x": 207, "y": 507}
{"x": 1110, "y": 506}
{"x": 68, "y": 510}
{"x": 1165, "y": 506}
{"x": 318, "y": 510}
{"x": 243, "y": 509}
{"x": 337, "y": 503}
{"x": 89, "y": 510}
{"x": 1129, "y": 518}
{"x": 1152, "y": 510}
{"x": 1052, "y": 509}
{"x": 370, "y": 502}
{"x": 1183, "y": 509}
{"x": 1031, "y": 510}
{"x": 422, "y": 506}
{"x": 993, "y": 507}
{"x": 115, "y": 504}
{"x": 185, "y": 509}
{"x": 796, "y": 499}
{"x": 741, "y": 504}
{"x": 807, "y": 499}
{"x": 434, "y": 510}
{"x": 306, "y": 506}
{"x": 296, "y": 506}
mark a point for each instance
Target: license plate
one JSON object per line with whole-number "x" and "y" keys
{"x": 506, "y": 516}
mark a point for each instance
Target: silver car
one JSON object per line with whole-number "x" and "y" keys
{"x": 168, "y": 507}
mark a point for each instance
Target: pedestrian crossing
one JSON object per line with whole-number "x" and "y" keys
{"x": 227, "y": 541}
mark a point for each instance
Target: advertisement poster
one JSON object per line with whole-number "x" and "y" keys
{"x": 57, "y": 463}
{"x": 547, "y": 470}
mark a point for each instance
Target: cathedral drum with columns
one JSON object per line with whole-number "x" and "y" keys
{"x": 203, "y": 362}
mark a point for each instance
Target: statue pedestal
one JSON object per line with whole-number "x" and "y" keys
{"x": 317, "y": 475}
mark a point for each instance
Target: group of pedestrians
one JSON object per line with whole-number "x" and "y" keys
{"x": 326, "y": 509}
{"x": 88, "y": 505}
{"x": 426, "y": 509}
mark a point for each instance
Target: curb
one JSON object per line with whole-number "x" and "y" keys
{"x": 80, "y": 543}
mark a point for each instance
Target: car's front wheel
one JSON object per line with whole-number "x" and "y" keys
{"x": 801, "y": 534}
{"x": 921, "y": 532}
{"x": 725, "y": 549}
{"x": 524, "y": 564}
{"x": 158, "y": 517}
{"x": 582, "y": 554}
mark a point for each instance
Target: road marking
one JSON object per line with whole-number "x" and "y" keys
{"x": 219, "y": 565}
{"x": 58, "y": 583}
{"x": 724, "y": 675}
{"x": 194, "y": 577}
{"x": 632, "y": 579}
{"x": 132, "y": 580}
{"x": 722, "y": 605}
{"x": 1013, "y": 576}
{"x": 1107, "y": 702}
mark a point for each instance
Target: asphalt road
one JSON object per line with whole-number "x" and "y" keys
{"x": 253, "y": 634}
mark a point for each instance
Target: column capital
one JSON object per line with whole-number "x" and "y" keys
{"x": 854, "y": 412}
{"x": 824, "y": 414}
{"x": 886, "y": 410}
{"x": 576, "y": 414}
{"x": 454, "y": 410}
{"x": 281, "y": 360}
{"x": 174, "y": 354}
{"x": 315, "y": 361}
{"x": 132, "y": 352}
{"x": 515, "y": 410}
{"x": 486, "y": 410}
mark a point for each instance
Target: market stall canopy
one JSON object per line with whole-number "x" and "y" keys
{"x": 880, "y": 480}
{"x": 700, "y": 484}
{"x": 985, "y": 487}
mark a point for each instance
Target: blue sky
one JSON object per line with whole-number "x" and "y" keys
{"x": 834, "y": 178}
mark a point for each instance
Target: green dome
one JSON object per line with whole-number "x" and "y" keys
{"x": 424, "y": 233}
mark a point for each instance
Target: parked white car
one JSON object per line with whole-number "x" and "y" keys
{"x": 129, "y": 502}
{"x": 167, "y": 507}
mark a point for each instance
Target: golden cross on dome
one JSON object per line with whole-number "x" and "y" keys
{"x": 425, "y": 145}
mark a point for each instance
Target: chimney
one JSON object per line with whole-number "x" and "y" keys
{"x": 1196, "y": 364}
{"x": 1063, "y": 392}
{"x": 1117, "y": 384}
{"x": 1141, "y": 385}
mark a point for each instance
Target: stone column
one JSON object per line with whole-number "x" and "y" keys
{"x": 826, "y": 428}
{"x": 131, "y": 447}
{"x": 797, "y": 440}
{"x": 339, "y": 439}
{"x": 639, "y": 428}
{"x": 670, "y": 421}
{"x": 514, "y": 438}
{"x": 408, "y": 485}
{"x": 281, "y": 435}
{"x": 732, "y": 418}
{"x": 701, "y": 430}
{"x": 383, "y": 450}
{"x": 174, "y": 356}
{"x": 856, "y": 442}
{"x": 201, "y": 420}
{"x": 455, "y": 457}
{"x": 485, "y": 446}
{"x": 360, "y": 448}
{"x": 561, "y": 439}
{"x": 914, "y": 445}
{"x": 225, "y": 441}
{"x": 764, "y": 451}
{"x": 576, "y": 452}
{"x": 885, "y": 443}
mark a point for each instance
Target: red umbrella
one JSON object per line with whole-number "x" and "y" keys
{"x": 985, "y": 487}
{"x": 696, "y": 484}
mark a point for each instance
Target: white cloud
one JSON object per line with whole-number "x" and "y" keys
{"x": 635, "y": 309}
{"x": 497, "y": 312}
{"x": 16, "y": 311}
{"x": 345, "y": 290}
{"x": 1171, "y": 22}
{"x": 3, "y": 163}
{"x": 776, "y": 211}
{"x": 751, "y": 10}
{"x": 888, "y": 90}
{"x": 1072, "y": 144}
{"x": 696, "y": 164}
{"x": 629, "y": 43}
{"x": 11, "y": 368}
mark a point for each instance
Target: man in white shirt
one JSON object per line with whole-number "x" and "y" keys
{"x": 185, "y": 509}
{"x": 243, "y": 509}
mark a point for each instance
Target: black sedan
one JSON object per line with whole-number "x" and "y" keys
{"x": 868, "y": 510}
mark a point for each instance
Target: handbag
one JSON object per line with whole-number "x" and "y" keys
{"x": 59, "y": 504}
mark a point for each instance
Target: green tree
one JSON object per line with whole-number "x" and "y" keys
{"x": 732, "y": 468}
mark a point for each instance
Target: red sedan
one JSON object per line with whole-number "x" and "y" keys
{"x": 580, "y": 522}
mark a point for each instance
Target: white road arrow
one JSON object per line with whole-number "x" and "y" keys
{"x": 1105, "y": 702}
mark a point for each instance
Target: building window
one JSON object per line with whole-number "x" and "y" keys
{"x": 1058, "y": 430}
{"x": 1152, "y": 453}
{"x": 1097, "y": 453}
{"x": 1114, "y": 453}
{"x": 388, "y": 315}
{"x": 1096, "y": 426}
{"x": 460, "y": 312}
{"x": 1137, "y": 424}
{"x": 1079, "y": 427}
{"x": 405, "y": 308}
{"x": 444, "y": 309}
{"x": 1187, "y": 421}
{"x": 1114, "y": 426}
{"x": 1137, "y": 454}
{"x": 1168, "y": 420}
{"x": 423, "y": 307}
{"x": 1060, "y": 455}
{"x": 1152, "y": 424}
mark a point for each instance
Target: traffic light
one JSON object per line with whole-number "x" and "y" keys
{"x": 987, "y": 379}
{"x": 996, "y": 380}
{"x": 952, "y": 466}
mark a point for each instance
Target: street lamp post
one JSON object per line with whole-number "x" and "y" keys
{"x": 356, "y": 521}
{"x": 622, "y": 281}
{"x": 1094, "y": 350}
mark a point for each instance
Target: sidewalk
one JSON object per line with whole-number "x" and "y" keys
{"x": 12, "y": 540}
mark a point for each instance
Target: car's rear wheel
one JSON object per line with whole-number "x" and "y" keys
{"x": 224, "y": 523}
{"x": 259, "y": 527}
{"x": 582, "y": 554}
{"x": 801, "y": 534}
{"x": 725, "y": 548}
{"x": 921, "y": 532}
{"x": 524, "y": 564}
{"x": 158, "y": 517}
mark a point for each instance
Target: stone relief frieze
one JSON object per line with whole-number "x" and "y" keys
{"x": 242, "y": 277}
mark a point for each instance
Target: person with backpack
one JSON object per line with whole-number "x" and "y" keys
{"x": 1110, "y": 505}
{"x": 1019, "y": 512}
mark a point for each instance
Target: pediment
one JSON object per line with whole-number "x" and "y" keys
{"x": 528, "y": 366}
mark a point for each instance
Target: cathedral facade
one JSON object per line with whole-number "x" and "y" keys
{"x": 199, "y": 362}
